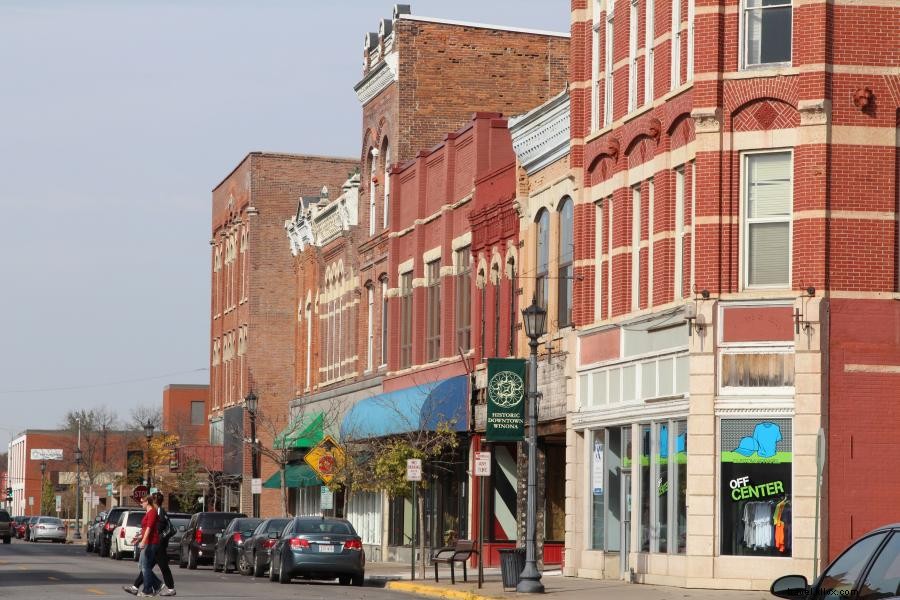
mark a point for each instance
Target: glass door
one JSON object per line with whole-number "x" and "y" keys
{"x": 625, "y": 532}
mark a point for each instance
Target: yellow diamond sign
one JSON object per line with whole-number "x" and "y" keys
{"x": 326, "y": 459}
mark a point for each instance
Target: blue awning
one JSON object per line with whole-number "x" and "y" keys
{"x": 418, "y": 408}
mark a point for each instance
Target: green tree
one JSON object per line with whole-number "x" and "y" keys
{"x": 48, "y": 498}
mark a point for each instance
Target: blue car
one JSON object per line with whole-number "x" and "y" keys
{"x": 318, "y": 548}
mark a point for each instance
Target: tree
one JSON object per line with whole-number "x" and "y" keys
{"x": 48, "y": 498}
{"x": 97, "y": 456}
{"x": 142, "y": 414}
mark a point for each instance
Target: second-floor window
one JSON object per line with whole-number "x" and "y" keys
{"x": 433, "y": 310}
{"x": 767, "y": 32}
{"x": 596, "y": 27}
{"x": 542, "y": 264}
{"x": 635, "y": 247}
{"x": 565, "y": 271}
{"x": 649, "y": 34}
{"x": 676, "y": 44}
{"x": 678, "y": 284}
{"x": 768, "y": 198}
{"x": 632, "y": 55}
{"x": 384, "y": 321}
{"x": 608, "y": 68}
{"x": 370, "y": 327}
{"x": 463, "y": 299}
{"x": 406, "y": 320}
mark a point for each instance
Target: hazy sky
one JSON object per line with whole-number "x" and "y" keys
{"x": 117, "y": 118}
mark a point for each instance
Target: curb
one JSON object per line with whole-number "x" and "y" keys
{"x": 431, "y": 591}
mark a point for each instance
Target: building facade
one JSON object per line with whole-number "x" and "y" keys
{"x": 719, "y": 249}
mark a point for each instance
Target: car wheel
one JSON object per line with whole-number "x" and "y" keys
{"x": 272, "y": 572}
{"x": 216, "y": 566}
{"x": 191, "y": 561}
{"x": 233, "y": 563}
{"x": 7, "y": 540}
{"x": 258, "y": 569}
{"x": 89, "y": 547}
{"x": 182, "y": 563}
{"x": 344, "y": 580}
{"x": 359, "y": 580}
{"x": 282, "y": 576}
{"x": 118, "y": 555}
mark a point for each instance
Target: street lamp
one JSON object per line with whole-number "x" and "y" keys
{"x": 148, "y": 431}
{"x": 78, "y": 459}
{"x": 251, "y": 402}
{"x": 534, "y": 319}
{"x": 43, "y": 470}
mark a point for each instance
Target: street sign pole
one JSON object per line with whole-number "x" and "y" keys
{"x": 414, "y": 474}
{"x": 483, "y": 472}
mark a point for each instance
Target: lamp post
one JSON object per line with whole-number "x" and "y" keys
{"x": 43, "y": 470}
{"x": 534, "y": 318}
{"x": 78, "y": 458}
{"x": 251, "y": 402}
{"x": 148, "y": 431}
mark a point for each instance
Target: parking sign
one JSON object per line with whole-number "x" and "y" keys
{"x": 414, "y": 469}
{"x": 482, "y": 464}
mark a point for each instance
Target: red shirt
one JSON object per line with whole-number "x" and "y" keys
{"x": 150, "y": 521}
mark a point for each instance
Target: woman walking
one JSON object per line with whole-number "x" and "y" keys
{"x": 162, "y": 554}
{"x": 149, "y": 546}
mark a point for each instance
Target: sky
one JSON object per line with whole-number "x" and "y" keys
{"x": 117, "y": 118}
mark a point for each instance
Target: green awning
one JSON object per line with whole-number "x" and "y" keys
{"x": 304, "y": 432}
{"x": 300, "y": 475}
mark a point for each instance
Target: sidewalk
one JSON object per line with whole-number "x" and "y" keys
{"x": 556, "y": 586}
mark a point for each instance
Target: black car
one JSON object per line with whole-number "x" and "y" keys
{"x": 318, "y": 548}
{"x": 198, "y": 544}
{"x": 254, "y": 556}
{"x": 229, "y": 542}
{"x": 104, "y": 534}
{"x": 180, "y": 522}
{"x": 869, "y": 569}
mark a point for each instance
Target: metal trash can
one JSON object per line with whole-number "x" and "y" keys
{"x": 512, "y": 562}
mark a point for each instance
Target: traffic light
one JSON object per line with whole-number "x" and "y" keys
{"x": 9, "y": 494}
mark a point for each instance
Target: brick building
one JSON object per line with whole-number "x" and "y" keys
{"x": 254, "y": 305}
{"x": 185, "y": 412}
{"x": 734, "y": 292}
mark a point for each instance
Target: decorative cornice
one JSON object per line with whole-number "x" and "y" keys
{"x": 541, "y": 136}
{"x": 376, "y": 80}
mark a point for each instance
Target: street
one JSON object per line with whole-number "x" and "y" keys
{"x": 46, "y": 570}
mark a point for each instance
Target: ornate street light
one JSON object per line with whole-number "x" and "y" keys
{"x": 534, "y": 318}
{"x": 251, "y": 403}
{"x": 78, "y": 458}
{"x": 148, "y": 431}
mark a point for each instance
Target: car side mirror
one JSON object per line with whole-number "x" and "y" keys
{"x": 790, "y": 586}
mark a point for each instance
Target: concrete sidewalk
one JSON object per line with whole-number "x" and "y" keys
{"x": 560, "y": 588}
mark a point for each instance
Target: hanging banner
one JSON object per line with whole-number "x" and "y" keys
{"x": 505, "y": 400}
{"x": 134, "y": 466}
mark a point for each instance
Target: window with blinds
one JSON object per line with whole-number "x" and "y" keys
{"x": 767, "y": 32}
{"x": 406, "y": 313}
{"x": 565, "y": 272}
{"x": 767, "y": 219}
{"x": 433, "y": 310}
{"x": 542, "y": 272}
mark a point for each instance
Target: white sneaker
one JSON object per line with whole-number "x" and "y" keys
{"x": 164, "y": 591}
{"x": 131, "y": 589}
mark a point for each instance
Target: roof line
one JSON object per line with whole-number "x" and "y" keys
{"x": 560, "y": 34}
{"x": 263, "y": 153}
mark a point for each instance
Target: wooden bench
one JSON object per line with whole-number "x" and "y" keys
{"x": 462, "y": 551}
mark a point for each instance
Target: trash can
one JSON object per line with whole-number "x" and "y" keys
{"x": 512, "y": 562}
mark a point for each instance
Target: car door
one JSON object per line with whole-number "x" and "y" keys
{"x": 844, "y": 574}
{"x": 883, "y": 578}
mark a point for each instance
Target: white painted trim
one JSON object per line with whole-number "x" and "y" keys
{"x": 559, "y": 34}
{"x": 431, "y": 255}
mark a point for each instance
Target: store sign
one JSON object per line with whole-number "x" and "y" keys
{"x": 597, "y": 469}
{"x": 505, "y": 400}
{"x": 46, "y": 454}
{"x": 134, "y": 466}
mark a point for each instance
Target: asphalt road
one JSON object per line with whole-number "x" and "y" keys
{"x": 34, "y": 571}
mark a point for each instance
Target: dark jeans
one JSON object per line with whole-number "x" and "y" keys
{"x": 162, "y": 561}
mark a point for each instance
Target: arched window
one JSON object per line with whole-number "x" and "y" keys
{"x": 565, "y": 271}
{"x": 387, "y": 184}
{"x": 495, "y": 280}
{"x": 384, "y": 320}
{"x": 370, "y": 326}
{"x": 373, "y": 175}
{"x": 542, "y": 262}
{"x": 511, "y": 272}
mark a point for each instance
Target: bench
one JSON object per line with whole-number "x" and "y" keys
{"x": 459, "y": 552}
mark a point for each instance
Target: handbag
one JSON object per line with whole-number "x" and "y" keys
{"x": 166, "y": 529}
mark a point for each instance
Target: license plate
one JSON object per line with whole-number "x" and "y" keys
{"x": 326, "y": 548}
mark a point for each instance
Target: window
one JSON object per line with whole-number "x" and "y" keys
{"x": 676, "y": 44}
{"x": 840, "y": 579}
{"x": 632, "y": 55}
{"x": 373, "y": 164}
{"x": 495, "y": 281}
{"x": 690, "y": 41}
{"x": 635, "y": 247}
{"x": 384, "y": 321}
{"x": 649, "y": 33}
{"x": 433, "y": 310}
{"x": 595, "y": 66}
{"x": 608, "y": 68}
{"x": 308, "y": 345}
{"x": 387, "y": 185}
{"x": 679, "y": 233}
{"x": 198, "y": 412}
{"x": 463, "y": 299}
{"x": 565, "y": 272}
{"x": 756, "y": 370}
{"x": 767, "y": 221}
{"x": 542, "y": 270}
{"x": 767, "y": 32}
{"x": 598, "y": 271}
{"x": 406, "y": 318}
{"x": 511, "y": 271}
{"x": 883, "y": 579}
{"x": 370, "y": 327}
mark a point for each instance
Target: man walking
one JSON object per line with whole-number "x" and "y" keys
{"x": 161, "y": 559}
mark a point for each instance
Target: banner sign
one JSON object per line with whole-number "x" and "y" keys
{"x": 46, "y": 454}
{"x": 505, "y": 400}
{"x": 134, "y": 466}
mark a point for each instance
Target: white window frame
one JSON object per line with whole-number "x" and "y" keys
{"x": 593, "y": 398}
{"x": 676, "y": 44}
{"x": 649, "y": 32}
{"x": 384, "y": 322}
{"x": 387, "y": 188}
{"x": 651, "y": 191}
{"x": 609, "y": 256}
{"x": 596, "y": 25}
{"x": 373, "y": 157}
{"x": 693, "y": 165}
{"x": 635, "y": 246}
{"x": 743, "y": 41}
{"x": 608, "y": 67}
{"x": 370, "y": 328}
{"x": 746, "y": 222}
{"x": 632, "y": 55}
{"x": 598, "y": 262}
{"x": 690, "y": 41}
{"x": 678, "y": 284}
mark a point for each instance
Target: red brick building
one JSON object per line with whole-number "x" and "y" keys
{"x": 254, "y": 304}
{"x": 185, "y": 412}
{"x": 736, "y": 274}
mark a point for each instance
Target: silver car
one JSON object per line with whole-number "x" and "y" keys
{"x": 48, "y": 528}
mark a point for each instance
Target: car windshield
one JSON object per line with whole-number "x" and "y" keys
{"x": 50, "y": 521}
{"x": 277, "y": 525}
{"x": 134, "y": 519}
{"x": 180, "y": 522}
{"x": 322, "y": 527}
{"x": 216, "y": 521}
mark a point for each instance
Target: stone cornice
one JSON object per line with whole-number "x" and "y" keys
{"x": 541, "y": 136}
{"x": 377, "y": 80}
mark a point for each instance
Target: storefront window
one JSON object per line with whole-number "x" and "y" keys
{"x": 681, "y": 485}
{"x": 555, "y": 494}
{"x": 756, "y": 457}
{"x": 661, "y": 495}
{"x": 645, "y": 522}
{"x": 606, "y": 489}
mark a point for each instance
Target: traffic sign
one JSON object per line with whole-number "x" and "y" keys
{"x": 482, "y": 464}
{"x": 326, "y": 497}
{"x": 139, "y": 492}
{"x": 326, "y": 459}
{"x": 256, "y": 485}
{"x": 58, "y": 503}
{"x": 414, "y": 469}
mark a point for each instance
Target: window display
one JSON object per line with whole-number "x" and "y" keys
{"x": 756, "y": 461}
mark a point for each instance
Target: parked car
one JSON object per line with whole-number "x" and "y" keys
{"x": 869, "y": 568}
{"x": 28, "y": 525}
{"x": 230, "y": 541}
{"x": 199, "y": 540}
{"x": 6, "y": 527}
{"x": 48, "y": 528}
{"x": 18, "y": 527}
{"x": 319, "y": 548}
{"x": 127, "y": 528}
{"x": 104, "y": 535}
{"x": 180, "y": 521}
{"x": 93, "y": 531}
{"x": 254, "y": 556}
